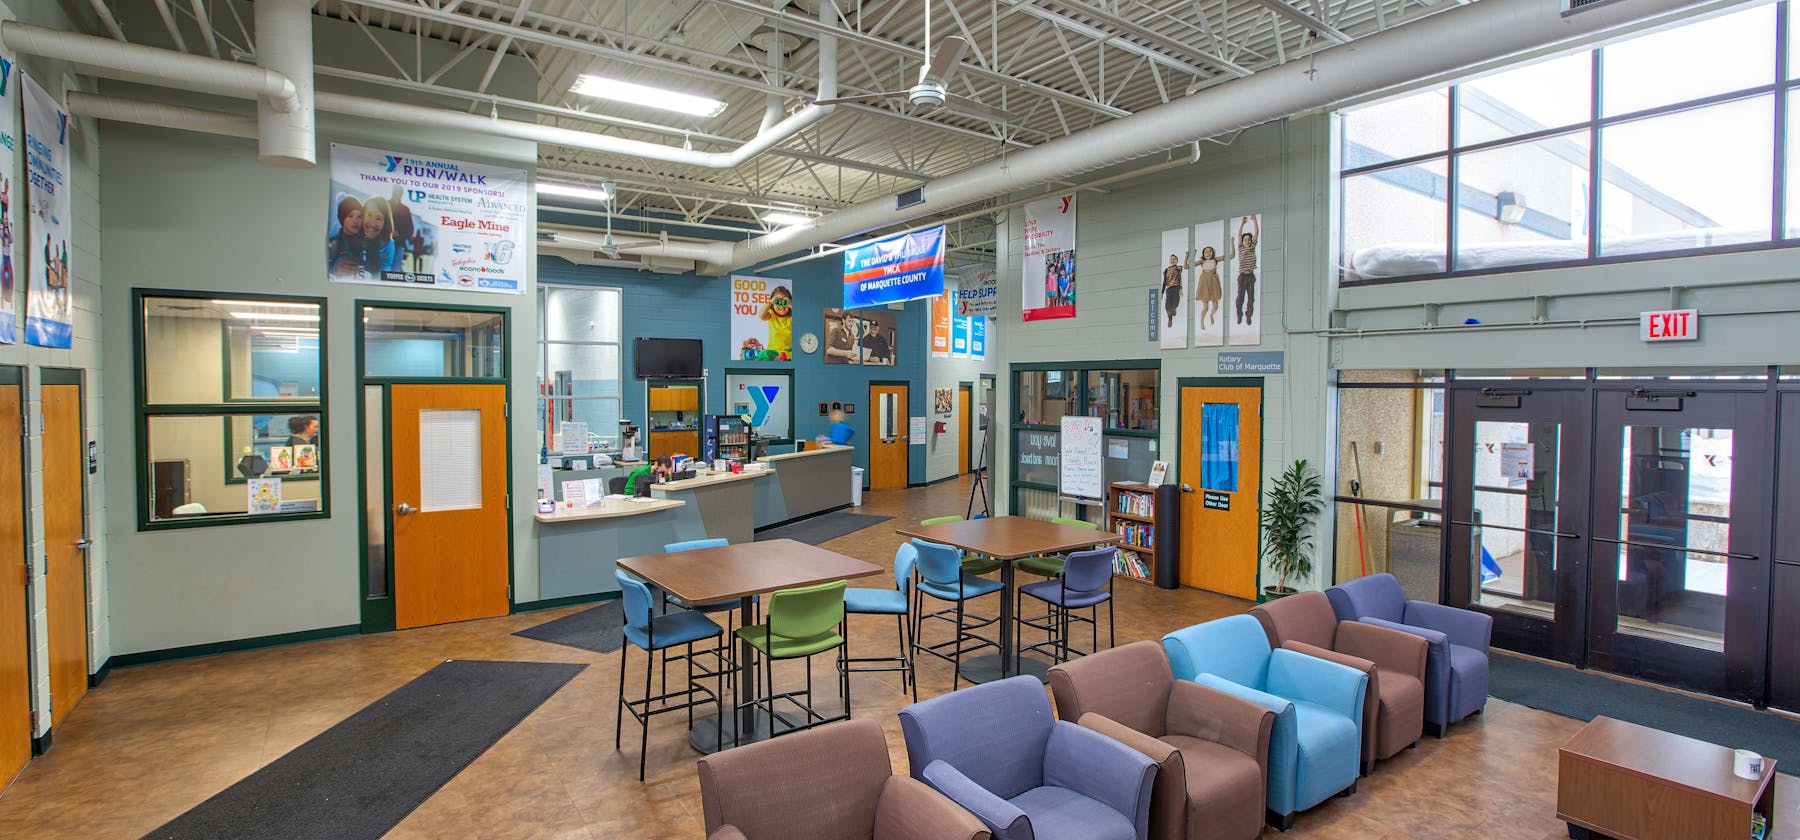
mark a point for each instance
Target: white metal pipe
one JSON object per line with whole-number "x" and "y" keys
{"x": 168, "y": 19}
{"x": 414, "y": 115}
{"x": 1454, "y": 40}
{"x": 136, "y": 63}
{"x": 828, "y": 52}
{"x": 106, "y": 19}
{"x": 157, "y": 114}
{"x": 633, "y": 243}
{"x": 206, "y": 28}
{"x": 284, "y": 45}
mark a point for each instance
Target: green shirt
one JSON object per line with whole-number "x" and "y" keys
{"x": 645, "y": 474}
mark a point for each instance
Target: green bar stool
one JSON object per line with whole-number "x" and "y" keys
{"x": 801, "y": 622}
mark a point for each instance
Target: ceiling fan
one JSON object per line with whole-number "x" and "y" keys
{"x": 932, "y": 92}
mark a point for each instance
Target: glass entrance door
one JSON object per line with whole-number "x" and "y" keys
{"x": 1678, "y": 582}
{"x": 1515, "y": 515}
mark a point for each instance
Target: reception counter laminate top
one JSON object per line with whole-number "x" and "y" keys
{"x": 610, "y": 508}
{"x": 711, "y": 479}
{"x": 788, "y": 456}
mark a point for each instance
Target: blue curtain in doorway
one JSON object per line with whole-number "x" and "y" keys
{"x": 1219, "y": 447}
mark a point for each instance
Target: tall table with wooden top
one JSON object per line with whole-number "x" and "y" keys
{"x": 1007, "y": 538}
{"x": 741, "y": 571}
{"x": 1631, "y": 782}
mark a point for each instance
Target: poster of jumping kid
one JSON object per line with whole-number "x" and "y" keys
{"x": 762, "y": 319}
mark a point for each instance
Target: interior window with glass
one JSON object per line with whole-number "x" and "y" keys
{"x": 1046, "y": 396}
{"x": 231, "y": 394}
{"x": 1390, "y": 467}
{"x": 433, "y": 343}
{"x": 1687, "y": 157}
{"x": 578, "y": 367}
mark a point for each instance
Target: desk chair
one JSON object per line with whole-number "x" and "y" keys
{"x": 616, "y": 485}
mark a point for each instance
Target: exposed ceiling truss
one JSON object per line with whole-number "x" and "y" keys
{"x": 1060, "y": 66}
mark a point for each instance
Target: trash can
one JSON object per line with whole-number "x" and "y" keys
{"x": 856, "y": 474}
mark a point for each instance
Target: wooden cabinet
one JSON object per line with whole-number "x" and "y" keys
{"x": 674, "y": 398}
{"x": 1143, "y": 517}
{"x": 684, "y": 442}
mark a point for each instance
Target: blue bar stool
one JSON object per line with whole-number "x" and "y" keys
{"x": 897, "y": 603}
{"x": 943, "y": 578}
{"x": 727, "y": 659}
{"x": 657, "y": 634}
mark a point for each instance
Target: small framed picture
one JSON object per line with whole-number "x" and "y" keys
{"x": 849, "y": 408}
{"x": 824, "y": 409}
{"x": 837, "y": 406}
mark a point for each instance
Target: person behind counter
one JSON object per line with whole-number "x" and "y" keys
{"x": 303, "y": 429}
{"x": 638, "y": 482}
{"x": 840, "y": 432}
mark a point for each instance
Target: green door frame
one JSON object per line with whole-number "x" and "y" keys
{"x": 377, "y": 611}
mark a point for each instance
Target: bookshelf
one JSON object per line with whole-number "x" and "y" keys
{"x": 1145, "y": 518}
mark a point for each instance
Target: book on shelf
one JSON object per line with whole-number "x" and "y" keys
{"x": 1136, "y": 504}
{"x": 1129, "y": 564}
{"x": 1136, "y": 534}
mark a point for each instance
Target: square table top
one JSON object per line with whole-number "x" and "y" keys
{"x": 743, "y": 569}
{"x": 1009, "y": 537}
{"x": 1699, "y": 766}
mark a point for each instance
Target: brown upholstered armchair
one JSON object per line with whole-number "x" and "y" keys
{"x": 1394, "y": 709}
{"x": 827, "y": 783}
{"x": 1211, "y": 749}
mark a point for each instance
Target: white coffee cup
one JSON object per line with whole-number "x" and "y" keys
{"x": 1746, "y": 764}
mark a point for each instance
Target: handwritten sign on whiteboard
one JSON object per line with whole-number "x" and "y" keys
{"x": 1080, "y": 470}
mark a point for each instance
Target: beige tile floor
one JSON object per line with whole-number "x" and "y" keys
{"x": 153, "y": 741}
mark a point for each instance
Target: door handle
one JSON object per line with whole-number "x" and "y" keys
{"x": 1187, "y": 488}
{"x": 404, "y": 509}
{"x": 84, "y": 543}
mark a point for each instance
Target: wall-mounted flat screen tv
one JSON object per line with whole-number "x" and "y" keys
{"x": 668, "y": 358}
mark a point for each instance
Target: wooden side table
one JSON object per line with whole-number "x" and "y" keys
{"x": 1631, "y": 782}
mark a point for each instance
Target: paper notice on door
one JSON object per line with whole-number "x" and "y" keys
{"x": 1516, "y": 463}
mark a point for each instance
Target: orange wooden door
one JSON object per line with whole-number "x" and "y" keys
{"x": 1219, "y": 546}
{"x": 962, "y": 422}
{"x": 447, "y": 451}
{"x": 888, "y": 437}
{"x": 65, "y": 534}
{"x": 15, "y": 640}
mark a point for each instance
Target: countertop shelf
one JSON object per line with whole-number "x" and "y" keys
{"x": 608, "y": 509}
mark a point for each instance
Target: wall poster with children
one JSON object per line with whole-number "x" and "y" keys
{"x": 1049, "y": 258}
{"x": 9, "y": 181}
{"x": 762, "y": 319}
{"x": 1245, "y": 292}
{"x": 47, "y": 317}
{"x": 399, "y": 219}
{"x": 1213, "y": 253}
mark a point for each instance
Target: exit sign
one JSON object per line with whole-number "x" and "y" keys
{"x": 1669, "y": 325}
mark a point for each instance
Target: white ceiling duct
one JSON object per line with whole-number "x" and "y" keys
{"x": 136, "y": 63}
{"x": 157, "y": 114}
{"x": 284, "y": 44}
{"x": 1445, "y": 43}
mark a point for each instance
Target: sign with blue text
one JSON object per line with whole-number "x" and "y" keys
{"x": 1255, "y": 361}
{"x": 959, "y": 337}
{"x": 47, "y": 300}
{"x": 894, "y": 270}
{"x": 397, "y": 219}
{"x": 978, "y": 338}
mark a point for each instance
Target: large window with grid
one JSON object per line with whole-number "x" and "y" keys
{"x": 578, "y": 364}
{"x": 1671, "y": 143}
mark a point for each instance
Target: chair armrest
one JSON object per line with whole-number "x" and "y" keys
{"x": 1278, "y": 705}
{"x": 1101, "y": 769}
{"x": 910, "y": 810}
{"x": 1000, "y": 816}
{"x": 1212, "y": 715}
{"x": 1435, "y": 638}
{"x": 1390, "y": 650}
{"x": 1340, "y": 688}
{"x": 727, "y": 832}
{"x": 1152, "y": 748}
{"x": 1464, "y": 627}
{"x": 1345, "y": 659}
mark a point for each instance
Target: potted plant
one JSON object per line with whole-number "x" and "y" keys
{"x": 1289, "y": 512}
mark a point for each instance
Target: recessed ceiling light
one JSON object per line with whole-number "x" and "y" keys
{"x": 571, "y": 191}
{"x": 273, "y": 316}
{"x": 601, "y": 87}
{"x": 785, "y": 219}
{"x": 268, "y": 303}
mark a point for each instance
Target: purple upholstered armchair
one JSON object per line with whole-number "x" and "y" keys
{"x": 997, "y": 750}
{"x": 1456, "y": 665}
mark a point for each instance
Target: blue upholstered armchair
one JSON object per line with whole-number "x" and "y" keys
{"x": 1315, "y": 749}
{"x": 998, "y": 751}
{"x": 1456, "y": 665}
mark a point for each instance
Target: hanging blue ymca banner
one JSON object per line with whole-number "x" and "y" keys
{"x": 903, "y": 268}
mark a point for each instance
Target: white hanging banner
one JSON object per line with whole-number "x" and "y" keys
{"x": 1049, "y": 259}
{"x": 1212, "y": 263}
{"x": 47, "y": 319}
{"x": 1246, "y": 287}
{"x": 397, "y": 219}
{"x": 1174, "y": 260}
{"x": 9, "y": 187}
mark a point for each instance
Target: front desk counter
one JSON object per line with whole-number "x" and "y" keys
{"x": 577, "y": 549}
{"x": 806, "y": 483}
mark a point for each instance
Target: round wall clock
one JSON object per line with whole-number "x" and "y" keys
{"x": 809, "y": 343}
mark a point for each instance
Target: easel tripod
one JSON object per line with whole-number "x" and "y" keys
{"x": 979, "y": 486}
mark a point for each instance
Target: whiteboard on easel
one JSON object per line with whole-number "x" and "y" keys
{"x": 1080, "y": 468}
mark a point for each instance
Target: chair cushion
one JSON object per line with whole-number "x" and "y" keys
{"x": 1045, "y": 565}
{"x": 1062, "y": 814}
{"x": 972, "y": 587}
{"x": 976, "y": 564}
{"x": 882, "y": 601}
{"x": 782, "y": 647}
{"x": 676, "y": 628}
{"x": 1469, "y": 677}
{"x": 1051, "y": 591}
{"x": 1224, "y": 787}
{"x": 1401, "y": 718}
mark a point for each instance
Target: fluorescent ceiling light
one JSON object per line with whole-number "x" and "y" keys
{"x": 285, "y": 330}
{"x": 269, "y": 303}
{"x": 784, "y": 219}
{"x": 571, "y": 191}
{"x": 601, "y": 87}
{"x": 273, "y": 316}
